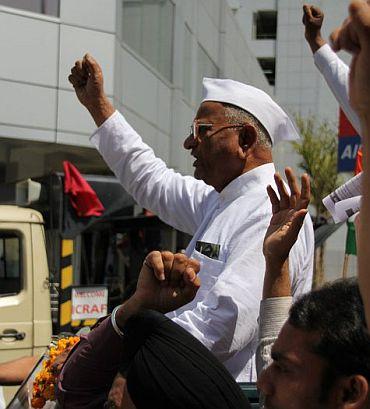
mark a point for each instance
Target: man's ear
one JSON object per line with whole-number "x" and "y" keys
{"x": 247, "y": 137}
{"x": 352, "y": 392}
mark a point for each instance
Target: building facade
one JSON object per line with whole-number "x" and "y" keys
{"x": 153, "y": 53}
{"x": 275, "y": 33}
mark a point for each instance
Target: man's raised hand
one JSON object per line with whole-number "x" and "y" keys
{"x": 87, "y": 80}
{"x": 167, "y": 281}
{"x": 312, "y": 20}
{"x": 288, "y": 213}
{"x": 354, "y": 36}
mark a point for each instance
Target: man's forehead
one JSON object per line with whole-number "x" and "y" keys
{"x": 295, "y": 345}
{"x": 210, "y": 109}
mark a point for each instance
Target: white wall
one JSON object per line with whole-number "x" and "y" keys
{"x": 40, "y": 51}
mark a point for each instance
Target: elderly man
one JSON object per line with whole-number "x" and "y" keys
{"x": 226, "y": 210}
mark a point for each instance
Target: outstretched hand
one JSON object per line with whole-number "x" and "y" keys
{"x": 312, "y": 20}
{"x": 288, "y": 213}
{"x": 87, "y": 80}
{"x": 167, "y": 281}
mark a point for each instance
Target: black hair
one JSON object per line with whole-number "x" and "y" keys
{"x": 336, "y": 313}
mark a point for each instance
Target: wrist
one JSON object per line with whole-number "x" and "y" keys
{"x": 101, "y": 110}
{"x": 131, "y": 307}
{"x": 277, "y": 280}
{"x": 315, "y": 41}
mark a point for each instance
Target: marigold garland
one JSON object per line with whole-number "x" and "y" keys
{"x": 45, "y": 381}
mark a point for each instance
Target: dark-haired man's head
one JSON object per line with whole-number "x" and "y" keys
{"x": 321, "y": 358}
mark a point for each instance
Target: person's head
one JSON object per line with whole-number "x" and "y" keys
{"x": 321, "y": 358}
{"x": 166, "y": 367}
{"x": 233, "y": 131}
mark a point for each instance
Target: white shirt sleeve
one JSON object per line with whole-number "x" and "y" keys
{"x": 178, "y": 200}
{"x": 336, "y": 74}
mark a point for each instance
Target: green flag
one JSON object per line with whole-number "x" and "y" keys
{"x": 351, "y": 239}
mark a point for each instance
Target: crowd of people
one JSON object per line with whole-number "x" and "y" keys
{"x": 237, "y": 305}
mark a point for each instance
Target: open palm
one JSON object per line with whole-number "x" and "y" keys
{"x": 288, "y": 213}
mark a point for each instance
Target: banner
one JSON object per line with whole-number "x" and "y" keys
{"x": 348, "y": 145}
{"x": 89, "y": 302}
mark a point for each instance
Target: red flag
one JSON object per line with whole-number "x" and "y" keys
{"x": 82, "y": 196}
{"x": 358, "y": 166}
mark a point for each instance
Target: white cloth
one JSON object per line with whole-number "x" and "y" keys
{"x": 255, "y": 101}
{"x": 224, "y": 314}
{"x": 336, "y": 74}
{"x": 2, "y": 399}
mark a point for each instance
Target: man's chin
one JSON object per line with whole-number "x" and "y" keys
{"x": 197, "y": 174}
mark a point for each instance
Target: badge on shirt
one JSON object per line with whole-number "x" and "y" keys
{"x": 210, "y": 250}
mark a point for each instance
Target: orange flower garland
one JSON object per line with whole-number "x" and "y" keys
{"x": 45, "y": 381}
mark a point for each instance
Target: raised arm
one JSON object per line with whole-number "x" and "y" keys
{"x": 176, "y": 199}
{"x": 166, "y": 282}
{"x": 289, "y": 211}
{"x": 354, "y": 36}
{"x": 333, "y": 69}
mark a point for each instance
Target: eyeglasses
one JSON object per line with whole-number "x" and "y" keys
{"x": 199, "y": 130}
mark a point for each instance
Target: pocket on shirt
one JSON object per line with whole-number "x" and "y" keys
{"x": 210, "y": 269}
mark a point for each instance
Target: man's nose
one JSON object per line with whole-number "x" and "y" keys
{"x": 190, "y": 142}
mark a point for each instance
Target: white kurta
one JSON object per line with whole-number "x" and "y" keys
{"x": 336, "y": 74}
{"x": 223, "y": 316}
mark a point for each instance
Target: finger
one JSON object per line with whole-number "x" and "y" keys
{"x": 297, "y": 222}
{"x": 284, "y": 196}
{"x": 293, "y": 186}
{"x": 154, "y": 261}
{"x": 305, "y": 196}
{"x": 74, "y": 81}
{"x": 167, "y": 259}
{"x": 194, "y": 264}
{"x": 315, "y": 12}
{"x": 92, "y": 65}
{"x": 307, "y": 11}
{"x": 273, "y": 199}
{"x": 180, "y": 262}
{"x": 192, "y": 284}
{"x": 79, "y": 71}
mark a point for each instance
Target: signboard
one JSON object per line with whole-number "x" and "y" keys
{"x": 349, "y": 143}
{"x": 89, "y": 302}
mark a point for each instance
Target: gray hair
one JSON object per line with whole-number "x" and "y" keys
{"x": 238, "y": 115}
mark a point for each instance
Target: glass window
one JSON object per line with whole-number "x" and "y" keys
{"x": 268, "y": 68}
{"x": 205, "y": 68}
{"x": 148, "y": 29}
{"x": 10, "y": 263}
{"x": 265, "y": 23}
{"x": 49, "y": 7}
{"x": 187, "y": 63}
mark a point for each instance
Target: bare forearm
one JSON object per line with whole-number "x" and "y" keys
{"x": 315, "y": 43}
{"x": 14, "y": 372}
{"x": 277, "y": 280}
{"x": 101, "y": 110}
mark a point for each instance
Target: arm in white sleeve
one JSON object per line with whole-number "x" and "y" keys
{"x": 273, "y": 314}
{"x": 178, "y": 200}
{"x": 336, "y": 74}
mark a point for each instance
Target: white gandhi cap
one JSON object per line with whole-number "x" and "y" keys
{"x": 255, "y": 101}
